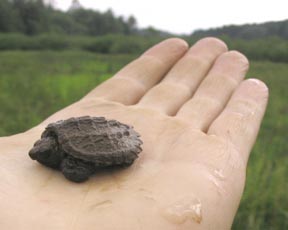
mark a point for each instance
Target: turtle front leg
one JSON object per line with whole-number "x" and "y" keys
{"x": 76, "y": 170}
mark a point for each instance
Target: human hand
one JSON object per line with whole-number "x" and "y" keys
{"x": 197, "y": 139}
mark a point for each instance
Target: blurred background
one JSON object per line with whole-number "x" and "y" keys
{"x": 52, "y": 52}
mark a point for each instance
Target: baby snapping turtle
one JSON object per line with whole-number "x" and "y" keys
{"x": 79, "y": 146}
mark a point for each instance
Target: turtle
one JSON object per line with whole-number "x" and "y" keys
{"x": 79, "y": 146}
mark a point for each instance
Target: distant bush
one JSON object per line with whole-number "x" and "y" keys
{"x": 272, "y": 48}
{"x": 120, "y": 44}
{"x": 129, "y": 45}
{"x": 100, "y": 45}
{"x": 52, "y": 42}
{"x": 14, "y": 41}
{"x": 107, "y": 44}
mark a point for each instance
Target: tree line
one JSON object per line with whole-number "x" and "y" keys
{"x": 249, "y": 31}
{"x": 33, "y": 25}
{"x": 33, "y": 17}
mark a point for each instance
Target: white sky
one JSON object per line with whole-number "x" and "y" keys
{"x": 184, "y": 16}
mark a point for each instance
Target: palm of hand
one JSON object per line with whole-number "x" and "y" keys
{"x": 182, "y": 179}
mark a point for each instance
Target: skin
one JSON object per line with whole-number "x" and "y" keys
{"x": 198, "y": 120}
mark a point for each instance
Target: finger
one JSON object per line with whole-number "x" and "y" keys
{"x": 182, "y": 80}
{"x": 239, "y": 122}
{"x": 215, "y": 90}
{"x": 131, "y": 83}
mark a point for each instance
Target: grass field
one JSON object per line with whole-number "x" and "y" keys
{"x": 33, "y": 85}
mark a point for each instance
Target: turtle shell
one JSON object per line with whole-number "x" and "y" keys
{"x": 95, "y": 139}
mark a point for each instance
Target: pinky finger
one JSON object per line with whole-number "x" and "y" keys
{"x": 239, "y": 122}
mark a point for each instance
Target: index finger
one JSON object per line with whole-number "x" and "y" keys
{"x": 132, "y": 82}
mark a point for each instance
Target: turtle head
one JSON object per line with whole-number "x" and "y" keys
{"x": 46, "y": 152}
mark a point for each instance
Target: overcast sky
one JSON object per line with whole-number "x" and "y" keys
{"x": 184, "y": 16}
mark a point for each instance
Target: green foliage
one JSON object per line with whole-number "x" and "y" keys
{"x": 273, "y": 49}
{"x": 130, "y": 45}
{"x": 14, "y": 41}
{"x": 34, "y": 85}
{"x": 100, "y": 45}
{"x": 107, "y": 44}
{"x": 33, "y": 17}
{"x": 8, "y": 17}
{"x": 120, "y": 44}
{"x": 23, "y": 42}
{"x": 248, "y": 31}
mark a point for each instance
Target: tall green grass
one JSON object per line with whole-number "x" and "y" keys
{"x": 270, "y": 48}
{"x": 33, "y": 85}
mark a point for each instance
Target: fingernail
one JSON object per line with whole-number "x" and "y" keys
{"x": 259, "y": 83}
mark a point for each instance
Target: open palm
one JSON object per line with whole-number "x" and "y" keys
{"x": 198, "y": 120}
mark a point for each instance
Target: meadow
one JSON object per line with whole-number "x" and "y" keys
{"x": 35, "y": 84}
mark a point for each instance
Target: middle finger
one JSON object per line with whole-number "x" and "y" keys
{"x": 183, "y": 79}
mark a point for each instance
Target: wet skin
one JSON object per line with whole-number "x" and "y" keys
{"x": 198, "y": 120}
